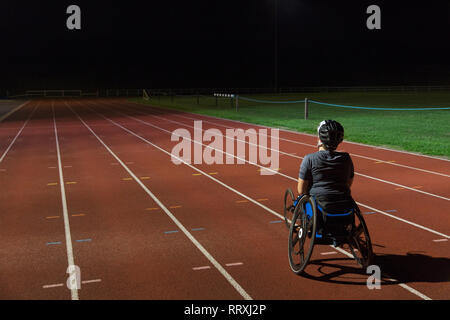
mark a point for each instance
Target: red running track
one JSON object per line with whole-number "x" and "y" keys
{"x": 91, "y": 182}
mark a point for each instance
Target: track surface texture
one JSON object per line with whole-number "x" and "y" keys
{"x": 90, "y": 182}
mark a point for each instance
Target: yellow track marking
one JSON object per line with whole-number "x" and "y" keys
{"x": 262, "y": 199}
{"x": 196, "y": 174}
{"x": 52, "y": 184}
{"x": 174, "y": 207}
{"x": 151, "y": 209}
{"x": 145, "y": 178}
{"x": 78, "y": 215}
{"x": 52, "y": 217}
{"x": 127, "y": 179}
{"x": 71, "y": 182}
{"x": 241, "y": 201}
{"x": 212, "y": 173}
{"x": 417, "y": 187}
{"x": 399, "y": 188}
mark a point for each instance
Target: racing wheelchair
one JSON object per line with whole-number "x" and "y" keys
{"x": 309, "y": 225}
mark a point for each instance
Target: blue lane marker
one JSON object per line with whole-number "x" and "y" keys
{"x": 83, "y": 240}
{"x": 51, "y": 243}
{"x": 167, "y": 232}
{"x": 370, "y": 212}
{"x": 391, "y": 210}
{"x": 276, "y": 221}
{"x": 197, "y": 229}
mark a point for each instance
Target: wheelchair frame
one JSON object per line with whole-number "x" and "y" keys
{"x": 303, "y": 236}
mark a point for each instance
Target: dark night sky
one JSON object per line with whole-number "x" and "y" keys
{"x": 229, "y": 43}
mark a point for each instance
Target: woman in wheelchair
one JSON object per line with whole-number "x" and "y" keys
{"x": 325, "y": 212}
{"x": 328, "y": 176}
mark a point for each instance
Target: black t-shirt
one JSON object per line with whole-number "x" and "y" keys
{"x": 328, "y": 173}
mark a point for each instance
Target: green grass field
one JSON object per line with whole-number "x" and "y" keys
{"x": 426, "y": 132}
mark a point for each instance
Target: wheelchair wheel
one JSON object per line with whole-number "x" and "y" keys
{"x": 302, "y": 234}
{"x": 360, "y": 240}
{"x": 288, "y": 207}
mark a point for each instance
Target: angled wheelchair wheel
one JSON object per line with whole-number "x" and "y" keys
{"x": 288, "y": 207}
{"x": 360, "y": 243}
{"x": 302, "y": 234}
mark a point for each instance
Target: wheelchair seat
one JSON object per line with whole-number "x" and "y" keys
{"x": 332, "y": 228}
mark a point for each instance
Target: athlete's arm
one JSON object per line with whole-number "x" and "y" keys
{"x": 303, "y": 186}
{"x": 350, "y": 182}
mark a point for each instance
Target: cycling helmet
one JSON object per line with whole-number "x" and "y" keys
{"x": 331, "y": 133}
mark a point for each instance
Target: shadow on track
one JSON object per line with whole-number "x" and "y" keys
{"x": 412, "y": 267}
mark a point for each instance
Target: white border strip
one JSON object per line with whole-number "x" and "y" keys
{"x": 70, "y": 259}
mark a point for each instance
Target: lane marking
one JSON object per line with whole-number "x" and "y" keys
{"x": 129, "y": 162}
{"x": 440, "y": 240}
{"x": 196, "y": 174}
{"x": 399, "y": 188}
{"x": 276, "y": 221}
{"x": 328, "y": 253}
{"x": 213, "y": 173}
{"x": 69, "y": 249}
{"x": 262, "y": 199}
{"x": 52, "y": 167}
{"x": 169, "y": 232}
{"x": 48, "y": 286}
{"x": 175, "y": 207}
{"x": 201, "y": 268}
{"x": 241, "y": 201}
{"x": 71, "y": 182}
{"x": 248, "y": 198}
{"x": 145, "y": 178}
{"x": 52, "y": 184}
{"x": 216, "y": 264}
{"x": 127, "y": 179}
{"x": 369, "y": 212}
{"x": 67, "y": 166}
{"x": 197, "y": 229}
{"x": 53, "y": 217}
{"x": 234, "y": 264}
{"x": 53, "y": 243}
{"x": 91, "y": 281}
{"x": 78, "y": 215}
{"x": 14, "y": 110}
{"x": 84, "y": 240}
{"x": 393, "y": 210}
{"x": 151, "y": 209}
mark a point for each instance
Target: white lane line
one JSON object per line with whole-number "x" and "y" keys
{"x": 48, "y": 286}
{"x": 404, "y": 286}
{"x": 216, "y": 264}
{"x": 272, "y": 150}
{"x": 218, "y": 181}
{"x": 13, "y": 110}
{"x": 257, "y": 165}
{"x": 201, "y": 268}
{"x": 328, "y": 253}
{"x": 91, "y": 281}
{"x": 18, "y": 134}
{"x": 440, "y": 240}
{"x": 70, "y": 259}
{"x": 302, "y": 133}
{"x": 234, "y": 264}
